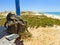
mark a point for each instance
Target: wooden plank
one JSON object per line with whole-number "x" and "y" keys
{"x": 12, "y": 36}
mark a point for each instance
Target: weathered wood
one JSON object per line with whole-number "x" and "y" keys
{"x": 12, "y": 36}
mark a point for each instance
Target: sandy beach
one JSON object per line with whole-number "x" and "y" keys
{"x": 52, "y": 16}
{"x": 49, "y": 15}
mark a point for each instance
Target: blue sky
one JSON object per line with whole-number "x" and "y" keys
{"x": 31, "y": 5}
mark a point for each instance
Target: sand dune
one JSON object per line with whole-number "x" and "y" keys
{"x": 40, "y": 36}
{"x": 44, "y": 36}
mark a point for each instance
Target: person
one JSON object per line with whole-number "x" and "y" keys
{"x": 15, "y": 24}
{"x": 11, "y": 24}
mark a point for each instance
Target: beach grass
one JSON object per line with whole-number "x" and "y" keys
{"x": 42, "y": 20}
{"x": 2, "y": 21}
{"x": 36, "y": 21}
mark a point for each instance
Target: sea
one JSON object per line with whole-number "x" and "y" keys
{"x": 53, "y": 13}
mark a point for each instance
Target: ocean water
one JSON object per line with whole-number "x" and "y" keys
{"x": 53, "y": 13}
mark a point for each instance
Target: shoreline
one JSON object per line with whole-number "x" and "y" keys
{"x": 49, "y": 15}
{"x": 52, "y": 16}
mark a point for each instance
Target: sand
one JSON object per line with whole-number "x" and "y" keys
{"x": 52, "y": 16}
{"x": 49, "y": 15}
{"x": 44, "y": 36}
{"x": 40, "y": 36}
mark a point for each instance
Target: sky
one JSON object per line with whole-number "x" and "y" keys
{"x": 31, "y": 5}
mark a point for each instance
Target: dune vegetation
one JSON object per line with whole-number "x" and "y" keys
{"x": 42, "y": 20}
{"x": 36, "y": 21}
{"x": 2, "y": 21}
{"x": 39, "y": 35}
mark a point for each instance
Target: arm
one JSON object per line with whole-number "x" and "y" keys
{"x": 6, "y": 24}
